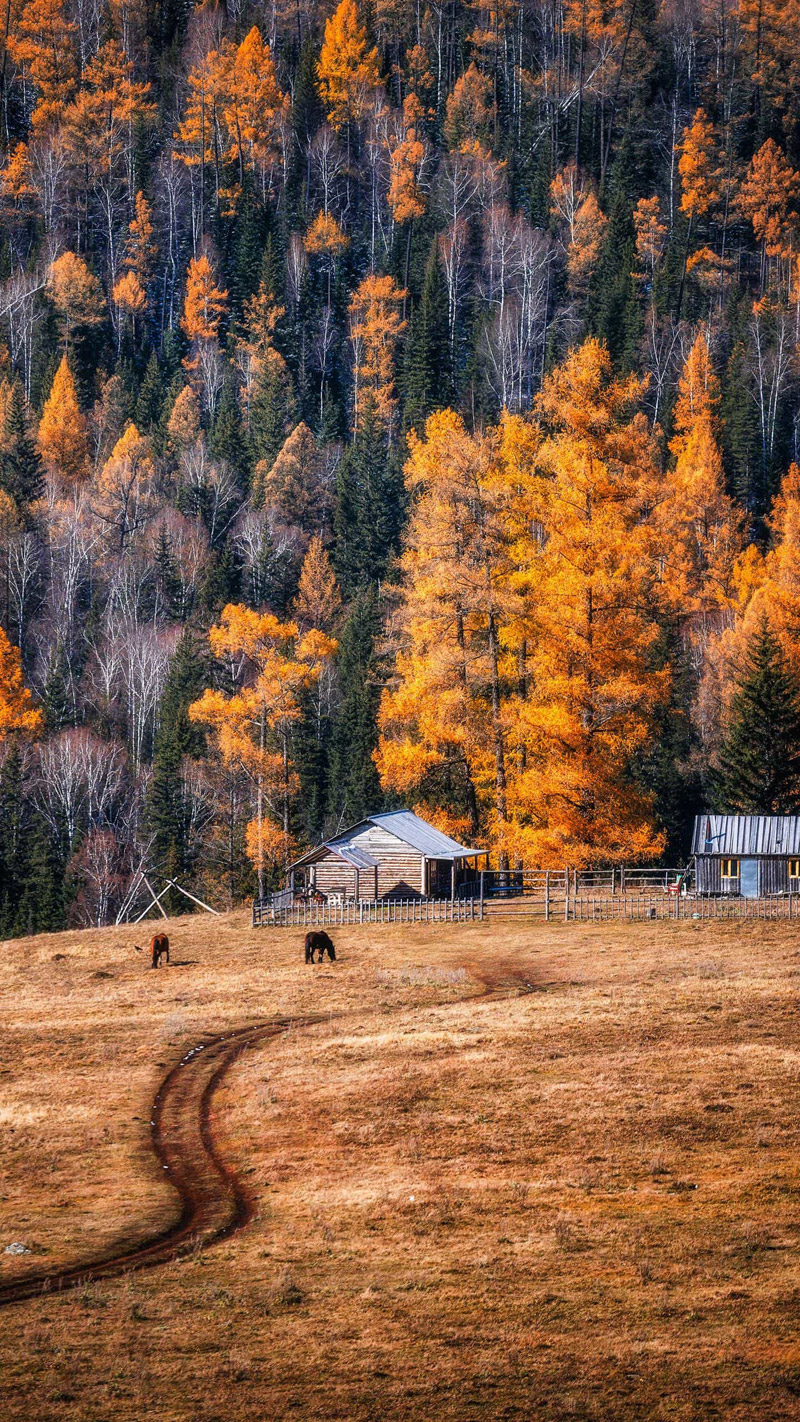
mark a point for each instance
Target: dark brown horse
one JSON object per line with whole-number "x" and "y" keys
{"x": 159, "y": 948}
{"x": 318, "y": 942}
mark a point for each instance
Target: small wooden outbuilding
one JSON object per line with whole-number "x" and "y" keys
{"x": 747, "y": 855}
{"x": 396, "y": 855}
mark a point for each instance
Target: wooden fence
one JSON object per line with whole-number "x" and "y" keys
{"x": 308, "y": 915}
{"x": 575, "y": 908}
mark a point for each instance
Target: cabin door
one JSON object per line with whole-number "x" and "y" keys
{"x": 748, "y": 878}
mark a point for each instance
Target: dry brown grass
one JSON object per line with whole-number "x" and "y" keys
{"x": 579, "y": 1204}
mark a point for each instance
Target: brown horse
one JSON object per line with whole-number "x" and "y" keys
{"x": 318, "y": 942}
{"x": 159, "y": 948}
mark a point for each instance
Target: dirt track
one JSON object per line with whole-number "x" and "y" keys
{"x": 214, "y": 1203}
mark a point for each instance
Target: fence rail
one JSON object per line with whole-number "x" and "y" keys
{"x": 302, "y": 915}
{"x": 577, "y": 908}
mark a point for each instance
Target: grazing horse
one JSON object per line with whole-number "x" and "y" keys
{"x": 159, "y": 947}
{"x": 318, "y": 942}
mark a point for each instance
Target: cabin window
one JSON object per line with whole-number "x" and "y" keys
{"x": 730, "y": 868}
{"x": 794, "y": 868}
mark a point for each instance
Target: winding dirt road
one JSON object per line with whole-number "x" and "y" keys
{"x": 214, "y": 1203}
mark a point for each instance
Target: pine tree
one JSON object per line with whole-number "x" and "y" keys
{"x": 427, "y": 378}
{"x": 177, "y": 736}
{"x": 151, "y": 396}
{"x": 759, "y": 761}
{"x": 44, "y": 898}
{"x": 370, "y": 503}
{"x": 272, "y": 408}
{"x": 353, "y": 778}
{"x": 21, "y": 473}
{"x": 11, "y": 840}
{"x": 227, "y": 440}
{"x": 55, "y": 692}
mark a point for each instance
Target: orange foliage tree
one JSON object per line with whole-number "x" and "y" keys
{"x": 62, "y": 435}
{"x": 701, "y": 529}
{"x": 446, "y": 720}
{"x": 44, "y": 45}
{"x": 76, "y": 294}
{"x": 18, "y": 715}
{"x": 348, "y": 69}
{"x": 251, "y": 728}
{"x": 375, "y": 328}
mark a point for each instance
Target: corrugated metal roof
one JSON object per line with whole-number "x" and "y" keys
{"x": 350, "y": 853}
{"x": 422, "y": 836}
{"x": 354, "y": 855}
{"x": 746, "y": 834}
{"x": 407, "y": 826}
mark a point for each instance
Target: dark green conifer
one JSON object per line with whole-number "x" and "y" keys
{"x": 151, "y": 397}
{"x": 427, "y": 382}
{"x": 56, "y": 696}
{"x": 272, "y": 409}
{"x": 168, "y": 811}
{"x": 227, "y": 439}
{"x": 758, "y": 770}
{"x": 21, "y": 472}
{"x": 370, "y": 506}
{"x": 355, "y": 788}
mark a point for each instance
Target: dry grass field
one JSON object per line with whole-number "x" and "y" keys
{"x": 577, "y": 1202}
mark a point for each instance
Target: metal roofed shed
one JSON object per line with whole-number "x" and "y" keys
{"x": 748, "y": 855}
{"x": 393, "y": 855}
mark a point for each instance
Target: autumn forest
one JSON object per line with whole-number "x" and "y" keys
{"x": 399, "y": 405}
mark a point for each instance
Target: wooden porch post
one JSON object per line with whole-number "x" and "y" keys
{"x": 358, "y": 883}
{"x": 452, "y": 881}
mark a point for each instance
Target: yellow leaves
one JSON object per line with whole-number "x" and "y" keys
{"x": 325, "y": 237}
{"x": 267, "y": 844}
{"x": 18, "y": 715}
{"x": 235, "y": 113}
{"x": 347, "y": 70}
{"x": 524, "y": 682}
{"x": 406, "y": 161}
{"x": 770, "y": 189}
{"x": 651, "y": 235}
{"x": 318, "y": 600}
{"x": 204, "y": 304}
{"x": 471, "y": 113}
{"x": 699, "y": 168}
{"x": 184, "y": 426}
{"x": 375, "y": 328}
{"x": 75, "y": 292}
{"x": 62, "y": 435}
{"x": 124, "y": 493}
{"x": 250, "y": 728}
{"x": 573, "y": 204}
{"x": 129, "y": 296}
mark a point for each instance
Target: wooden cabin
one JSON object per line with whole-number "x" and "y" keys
{"x": 396, "y": 855}
{"x": 747, "y": 855}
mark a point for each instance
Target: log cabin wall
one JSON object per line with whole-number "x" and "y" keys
{"x": 773, "y": 876}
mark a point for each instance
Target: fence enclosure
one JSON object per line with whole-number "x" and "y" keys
{"x": 566, "y": 907}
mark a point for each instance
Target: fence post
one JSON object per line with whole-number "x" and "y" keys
{"x": 566, "y": 899}
{"x": 547, "y": 895}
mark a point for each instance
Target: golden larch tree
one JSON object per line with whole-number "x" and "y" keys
{"x": 18, "y": 715}
{"x": 592, "y": 560}
{"x": 348, "y": 69}
{"x": 375, "y": 328}
{"x": 445, "y": 719}
{"x": 62, "y": 436}
{"x": 204, "y": 304}
{"x": 700, "y": 527}
{"x": 251, "y": 728}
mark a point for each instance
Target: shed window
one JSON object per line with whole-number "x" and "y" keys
{"x": 730, "y": 868}
{"x": 794, "y": 868}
